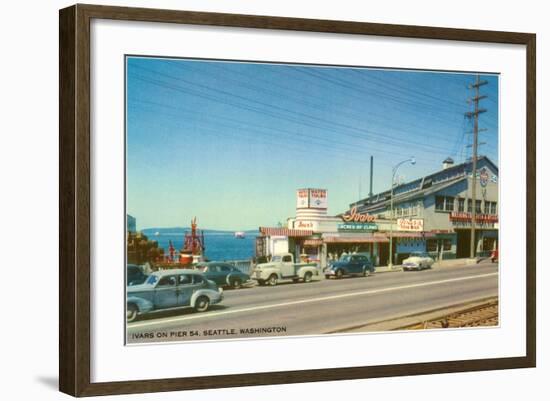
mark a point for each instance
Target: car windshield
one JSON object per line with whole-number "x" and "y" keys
{"x": 345, "y": 258}
{"x": 417, "y": 254}
{"x": 152, "y": 279}
{"x": 276, "y": 258}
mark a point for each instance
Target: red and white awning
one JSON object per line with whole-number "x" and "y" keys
{"x": 355, "y": 240}
{"x": 285, "y": 232}
{"x": 313, "y": 242}
{"x": 401, "y": 234}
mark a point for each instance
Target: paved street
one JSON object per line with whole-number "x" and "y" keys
{"x": 322, "y": 306}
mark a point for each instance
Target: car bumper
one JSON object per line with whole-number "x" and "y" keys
{"x": 217, "y": 297}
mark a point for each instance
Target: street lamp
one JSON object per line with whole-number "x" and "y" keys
{"x": 412, "y": 160}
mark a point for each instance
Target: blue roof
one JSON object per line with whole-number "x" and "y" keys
{"x": 419, "y": 187}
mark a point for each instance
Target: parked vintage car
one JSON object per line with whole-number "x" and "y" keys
{"x": 135, "y": 275}
{"x": 282, "y": 267}
{"x": 223, "y": 274}
{"x": 418, "y": 261}
{"x": 170, "y": 289}
{"x": 350, "y": 265}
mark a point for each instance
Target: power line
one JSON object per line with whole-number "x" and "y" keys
{"x": 281, "y": 112}
{"x": 346, "y": 109}
{"x": 347, "y": 151}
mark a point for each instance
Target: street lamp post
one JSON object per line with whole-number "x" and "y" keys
{"x": 412, "y": 160}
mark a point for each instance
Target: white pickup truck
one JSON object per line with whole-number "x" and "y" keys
{"x": 282, "y": 267}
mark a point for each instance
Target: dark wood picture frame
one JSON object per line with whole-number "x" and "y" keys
{"x": 74, "y": 202}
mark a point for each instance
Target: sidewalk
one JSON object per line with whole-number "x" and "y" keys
{"x": 439, "y": 264}
{"x": 386, "y": 269}
{"x": 460, "y": 262}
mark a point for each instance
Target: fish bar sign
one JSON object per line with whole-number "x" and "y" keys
{"x": 410, "y": 224}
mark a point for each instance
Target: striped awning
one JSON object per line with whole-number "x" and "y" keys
{"x": 355, "y": 240}
{"x": 313, "y": 242}
{"x": 285, "y": 232}
{"x": 401, "y": 234}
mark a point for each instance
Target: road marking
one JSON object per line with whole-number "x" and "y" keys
{"x": 306, "y": 301}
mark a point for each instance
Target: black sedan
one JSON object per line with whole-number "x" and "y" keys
{"x": 135, "y": 275}
{"x": 223, "y": 274}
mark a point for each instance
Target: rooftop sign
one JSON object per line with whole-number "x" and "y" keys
{"x": 311, "y": 198}
{"x": 353, "y": 216}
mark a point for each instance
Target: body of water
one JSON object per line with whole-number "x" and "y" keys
{"x": 218, "y": 246}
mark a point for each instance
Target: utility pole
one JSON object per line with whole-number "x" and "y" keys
{"x": 370, "y": 182}
{"x": 475, "y": 114}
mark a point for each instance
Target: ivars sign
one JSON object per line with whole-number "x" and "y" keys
{"x": 352, "y": 215}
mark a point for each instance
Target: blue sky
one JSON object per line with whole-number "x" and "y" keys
{"x": 230, "y": 142}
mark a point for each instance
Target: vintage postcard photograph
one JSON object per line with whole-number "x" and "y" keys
{"x": 276, "y": 199}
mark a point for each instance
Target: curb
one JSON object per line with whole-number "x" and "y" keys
{"x": 399, "y": 269}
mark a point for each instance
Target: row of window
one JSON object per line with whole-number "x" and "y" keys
{"x": 407, "y": 211}
{"x": 448, "y": 204}
{"x": 171, "y": 281}
{"x": 432, "y": 245}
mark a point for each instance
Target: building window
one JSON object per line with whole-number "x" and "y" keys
{"x": 489, "y": 244}
{"x": 469, "y": 206}
{"x": 461, "y": 204}
{"x": 444, "y": 203}
{"x": 490, "y": 208}
{"x": 439, "y": 203}
{"x": 431, "y": 245}
{"x": 449, "y": 203}
{"x": 447, "y": 244}
{"x": 478, "y": 206}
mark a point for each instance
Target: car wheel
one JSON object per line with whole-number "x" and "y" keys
{"x": 327, "y": 276}
{"x": 131, "y": 313}
{"x": 307, "y": 277}
{"x": 236, "y": 283}
{"x": 261, "y": 282}
{"x": 339, "y": 274}
{"x": 366, "y": 272}
{"x": 202, "y": 303}
{"x": 272, "y": 280}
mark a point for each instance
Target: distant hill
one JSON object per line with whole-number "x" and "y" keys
{"x": 182, "y": 230}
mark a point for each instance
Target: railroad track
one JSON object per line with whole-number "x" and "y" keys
{"x": 485, "y": 314}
